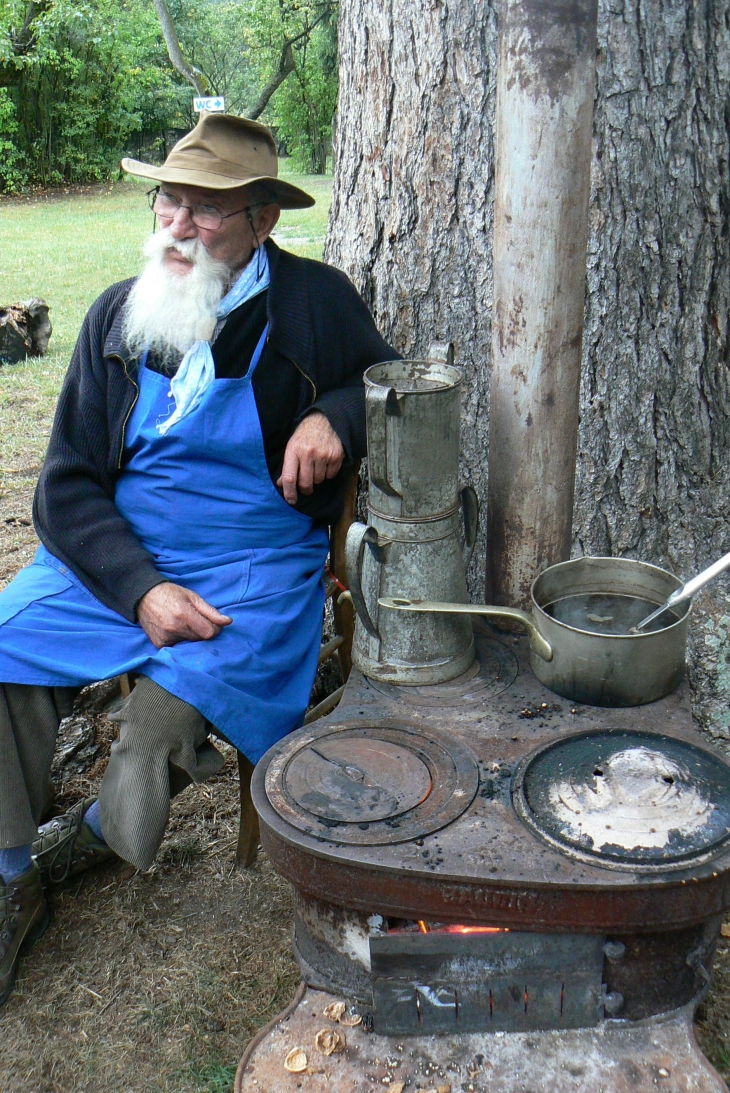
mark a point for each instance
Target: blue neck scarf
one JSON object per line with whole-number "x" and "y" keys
{"x": 197, "y": 368}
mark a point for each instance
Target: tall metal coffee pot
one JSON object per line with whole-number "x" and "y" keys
{"x": 411, "y": 546}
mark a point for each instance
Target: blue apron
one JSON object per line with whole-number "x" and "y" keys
{"x": 201, "y": 501}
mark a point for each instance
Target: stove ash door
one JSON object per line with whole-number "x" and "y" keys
{"x": 505, "y": 981}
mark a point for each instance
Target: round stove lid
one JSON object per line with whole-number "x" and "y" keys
{"x": 370, "y": 783}
{"x": 632, "y": 798}
{"x": 356, "y": 780}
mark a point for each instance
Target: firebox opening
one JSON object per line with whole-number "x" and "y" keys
{"x": 411, "y": 926}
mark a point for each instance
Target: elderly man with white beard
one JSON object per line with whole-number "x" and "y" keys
{"x": 193, "y": 467}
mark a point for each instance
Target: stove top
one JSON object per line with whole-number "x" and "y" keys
{"x": 479, "y": 801}
{"x": 634, "y": 799}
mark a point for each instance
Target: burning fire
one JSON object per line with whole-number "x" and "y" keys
{"x": 423, "y": 927}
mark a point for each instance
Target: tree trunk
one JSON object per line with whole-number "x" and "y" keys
{"x": 411, "y": 223}
{"x": 174, "y": 50}
{"x": 287, "y": 64}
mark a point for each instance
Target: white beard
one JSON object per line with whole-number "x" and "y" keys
{"x": 167, "y": 311}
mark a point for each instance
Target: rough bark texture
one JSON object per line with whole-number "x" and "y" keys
{"x": 412, "y": 204}
{"x": 411, "y": 223}
{"x": 653, "y": 476}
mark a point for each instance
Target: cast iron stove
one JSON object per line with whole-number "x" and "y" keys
{"x": 481, "y": 863}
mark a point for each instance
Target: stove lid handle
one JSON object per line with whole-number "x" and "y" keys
{"x": 358, "y": 537}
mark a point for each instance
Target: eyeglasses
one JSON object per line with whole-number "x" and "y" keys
{"x": 203, "y": 216}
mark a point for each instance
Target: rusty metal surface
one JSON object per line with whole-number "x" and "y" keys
{"x": 643, "y": 974}
{"x": 355, "y": 783}
{"x": 494, "y": 670}
{"x": 654, "y": 1056}
{"x": 451, "y": 983}
{"x": 489, "y": 868}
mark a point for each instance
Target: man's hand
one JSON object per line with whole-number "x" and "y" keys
{"x": 313, "y": 453}
{"x": 169, "y": 613}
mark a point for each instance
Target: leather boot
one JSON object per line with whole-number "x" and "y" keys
{"x": 23, "y": 919}
{"x": 67, "y": 846}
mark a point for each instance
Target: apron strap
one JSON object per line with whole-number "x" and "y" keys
{"x": 258, "y": 350}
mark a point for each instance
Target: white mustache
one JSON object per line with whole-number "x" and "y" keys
{"x": 167, "y": 309}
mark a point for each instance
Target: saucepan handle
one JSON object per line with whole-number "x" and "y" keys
{"x": 358, "y": 537}
{"x": 538, "y": 644}
{"x": 383, "y": 403}
{"x": 470, "y": 509}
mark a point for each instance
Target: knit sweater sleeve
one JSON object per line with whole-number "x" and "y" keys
{"x": 73, "y": 510}
{"x": 347, "y": 330}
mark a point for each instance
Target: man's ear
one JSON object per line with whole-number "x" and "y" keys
{"x": 265, "y": 221}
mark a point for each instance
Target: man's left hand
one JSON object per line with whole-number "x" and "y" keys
{"x": 313, "y": 453}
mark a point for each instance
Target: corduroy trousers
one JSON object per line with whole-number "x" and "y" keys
{"x": 162, "y": 747}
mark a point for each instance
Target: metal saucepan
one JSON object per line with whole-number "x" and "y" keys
{"x": 575, "y": 606}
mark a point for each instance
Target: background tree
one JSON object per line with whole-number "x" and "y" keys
{"x": 83, "y": 82}
{"x": 92, "y": 76}
{"x": 271, "y": 59}
{"x": 411, "y": 223}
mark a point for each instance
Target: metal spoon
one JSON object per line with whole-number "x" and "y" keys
{"x": 687, "y": 591}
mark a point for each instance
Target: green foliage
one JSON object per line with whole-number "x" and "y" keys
{"x": 12, "y": 173}
{"x": 88, "y": 80}
{"x": 304, "y": 106}
{"x": 238, "y": 47}
{"x": 95, "y": 75}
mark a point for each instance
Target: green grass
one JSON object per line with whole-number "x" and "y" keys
{"x": 67, "y": 249}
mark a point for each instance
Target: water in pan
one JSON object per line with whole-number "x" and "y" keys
{"x": 607, "y": 613}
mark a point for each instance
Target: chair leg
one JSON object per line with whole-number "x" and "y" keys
{"x": 248, "y": 832}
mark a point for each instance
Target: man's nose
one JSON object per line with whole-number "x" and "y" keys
{"x": 181, "y": 226}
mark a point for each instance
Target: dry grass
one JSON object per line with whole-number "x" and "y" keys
{"x": 155, "y": 981}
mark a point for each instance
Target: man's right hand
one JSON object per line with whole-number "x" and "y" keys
{"x": 169, "y": 613}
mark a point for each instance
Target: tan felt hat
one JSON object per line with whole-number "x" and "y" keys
{"x": 221, "y": 153}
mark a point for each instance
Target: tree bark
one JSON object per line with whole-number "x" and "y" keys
{"x": 411, "y": 223}
{"x": 174, "y": 50}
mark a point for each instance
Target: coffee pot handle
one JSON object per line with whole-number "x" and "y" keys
{"x": 470, "y": 510}
{"x": 358, "y": 537}
{"x": 384, "y": 401}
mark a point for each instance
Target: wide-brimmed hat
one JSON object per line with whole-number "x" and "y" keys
{"x": 221, "y": 153}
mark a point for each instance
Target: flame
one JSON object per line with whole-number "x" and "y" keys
{"x": 474, "y": 930}
{"x": 424, "y": 928}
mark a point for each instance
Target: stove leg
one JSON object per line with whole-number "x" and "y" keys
{"x": 248, "y": 832}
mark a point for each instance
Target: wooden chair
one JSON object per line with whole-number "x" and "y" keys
{"x": 339, "y": 646}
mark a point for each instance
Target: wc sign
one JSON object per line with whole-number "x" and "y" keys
{"x": 214, "y": 103}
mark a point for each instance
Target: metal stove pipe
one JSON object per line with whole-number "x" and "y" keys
{"x": 545, "y": 80}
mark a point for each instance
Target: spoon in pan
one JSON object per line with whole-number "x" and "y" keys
{"x": 687, "y": 591}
